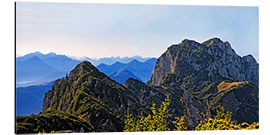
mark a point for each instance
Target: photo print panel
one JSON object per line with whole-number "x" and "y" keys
{"x": 84, "y": 67}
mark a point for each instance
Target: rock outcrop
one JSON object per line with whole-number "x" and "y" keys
{"x": 210, "y": 59}
{"x": 197, "y": 69}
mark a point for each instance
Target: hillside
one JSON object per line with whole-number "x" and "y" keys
{"x": 51, "y": 120}
{"x": 90, "y": 93}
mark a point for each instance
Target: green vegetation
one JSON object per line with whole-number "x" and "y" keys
{"x": 159, "y": 121}
{"x": 222, "y": 121}
{"x": 51, "y": 120}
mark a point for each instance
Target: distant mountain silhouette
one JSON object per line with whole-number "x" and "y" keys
{"x": 122, "y": 75}
{"x": 111, "y": 60}
{"x": 36, "y": 68}
{"x": 32, "y": 69}
{"x": 142, "y": 70}
{"x": 110, "y": 69}
{"x": 30, "y": 55}
{"x": 29, "y": 99}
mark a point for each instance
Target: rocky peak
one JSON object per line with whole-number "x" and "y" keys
{"x": 212, "y": 41}
{"x": 210, "y": 59}
{"x": 83, "y": 68}
{"x": 189, "y": 42}
{"x": 249, "y": 59}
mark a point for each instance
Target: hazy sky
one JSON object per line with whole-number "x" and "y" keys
{"x": 104, "y": 30}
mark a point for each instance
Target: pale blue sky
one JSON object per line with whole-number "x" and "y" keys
{"x": 104, "y": 30}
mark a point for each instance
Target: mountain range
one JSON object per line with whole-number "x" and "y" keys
{"x": 37, "y": 68}
{"x": 112, "y": 60}
{"x": 36, "y": 73}
{"x": 205, "y": 75}
{"x": 122, "y": 75}
{"x": 29, "y": 99}
{"x": 140, "y": 70}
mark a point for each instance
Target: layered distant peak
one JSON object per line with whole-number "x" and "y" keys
{"x": 121, "y": 71}
{"x": 36, "y": 53}
{"x": 34, "y": 59}
{"x": 122, "y": 75}
{"x": 52, "y": 54}
{"x": 118, "y": 64}
{"x": 135, "y": 61}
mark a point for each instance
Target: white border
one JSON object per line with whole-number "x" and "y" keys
{"x": 163, "y": 2}
{"x": 7, "y": 60}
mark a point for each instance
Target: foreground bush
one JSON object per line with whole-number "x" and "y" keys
{"x": 159, "y": 121}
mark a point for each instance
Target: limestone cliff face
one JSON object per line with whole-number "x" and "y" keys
{"x": 208, "y": 59}
{"x": 196, "y": 69}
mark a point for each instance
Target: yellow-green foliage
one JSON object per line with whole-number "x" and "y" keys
{"x": 181, "y": 124}
{"x": 158, "y": 121}
{"x": 44, "y": 132}
{"x": 222, "y": 121}
{"x": 254, "y": 125}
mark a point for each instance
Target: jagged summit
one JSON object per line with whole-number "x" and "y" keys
{"x": 212, "y": 41}
{"x": 249, "y": 58}
{"x": 189, "y": 41}
{"x": 208, "y": 60}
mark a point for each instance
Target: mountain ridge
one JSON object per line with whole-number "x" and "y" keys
{"x": 216, "y": 54}
{"x": 29, "y": 72}
{"x": 142, "y": 70}
{"x": 88, "y": 92}
{"x": 122, "y": 75}
{"x": 205, "y": 75}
